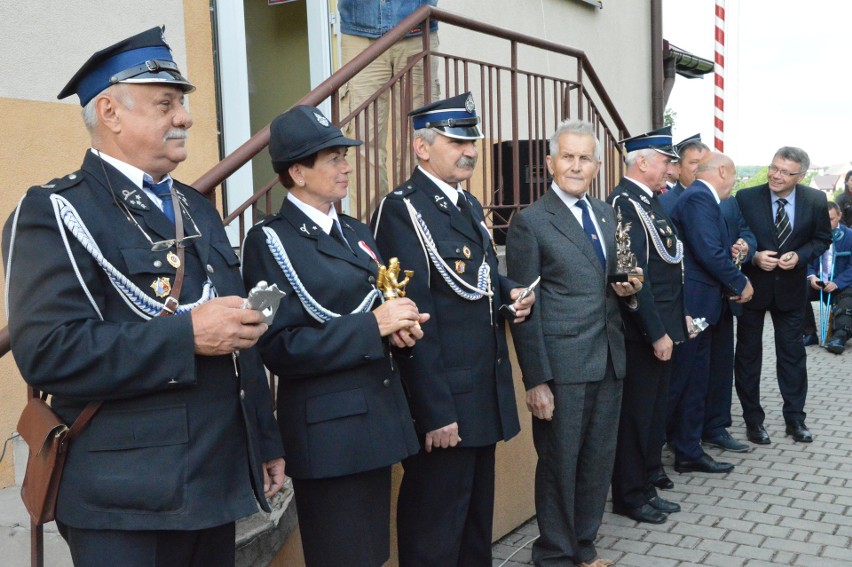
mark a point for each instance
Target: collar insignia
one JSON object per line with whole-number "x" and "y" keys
{"x": 644, "y": 199}
{"x": 134, "y": 198}
{"x": 304, "y": 229}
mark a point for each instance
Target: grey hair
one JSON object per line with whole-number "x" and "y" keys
{"x": 631, "y": 157}
{"x": 797, "y": 155}
{"x": 119, "y": 91}
{"x": 428, "y": 135}
{"x": 576, "y": 127}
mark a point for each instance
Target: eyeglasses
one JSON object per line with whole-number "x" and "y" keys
{"x": 783, "y": 172}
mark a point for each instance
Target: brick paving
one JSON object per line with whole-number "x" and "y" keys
{"x": 784, "y": 504}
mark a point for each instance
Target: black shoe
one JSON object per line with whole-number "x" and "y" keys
{"x": 809, "y": 340}
{"x": 799, "y": 432}
{"x": 661, "y": 481}
{"x": 645, "y": 513}
{"x": 704, "y": 464}
{"x": 757, "y": 434}
{"x": 725, "y": 442}
{"x": 664, "y": 505}
{"x": 836, "y": 345}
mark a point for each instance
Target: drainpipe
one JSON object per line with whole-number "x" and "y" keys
{"x": 657, "y": 98}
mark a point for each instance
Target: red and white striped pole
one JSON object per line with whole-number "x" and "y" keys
{"x": 719, "y": 115}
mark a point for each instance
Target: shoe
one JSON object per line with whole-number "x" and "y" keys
{"x": 809, "y": 340}
{"x": 664, "y": 505}
{"x": 661, "y": 481}
{"x": 757, "y": 434}
{"x": 644, "y": 513}
{"x": 596, "y": 563}
{"x": 836, "y": 345}
{"x": 799, "y": 432}
{"x": 725, "y": 442}
{"x": 704, "y": 464}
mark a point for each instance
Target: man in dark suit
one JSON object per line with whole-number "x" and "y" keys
{"x": 651, "y": 331}
{"x": 740, "y": 239}
{"x": 790, "y": 222}
{"x": 571, "y": 350}
{"x": 185, "y": 441}
{"x": 458, "y": 376}
{"x": 830, "y": 280}
{"x": 710, "y": 275}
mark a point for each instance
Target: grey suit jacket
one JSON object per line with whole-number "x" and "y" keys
{"x": 575, "y": 322}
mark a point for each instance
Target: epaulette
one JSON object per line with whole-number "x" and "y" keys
{"x": 403, "y": 190}
{"x": 62, "y": 183}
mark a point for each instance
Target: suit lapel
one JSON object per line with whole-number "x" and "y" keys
{"x": 325, "y": 244}
{"x": 442, "y": 204}
{"x": 565, "y": 222}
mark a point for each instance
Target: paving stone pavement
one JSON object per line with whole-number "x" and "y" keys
{"x": 785, "y": 503}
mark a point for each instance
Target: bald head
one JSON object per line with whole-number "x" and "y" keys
{"x": 719, "y": 171}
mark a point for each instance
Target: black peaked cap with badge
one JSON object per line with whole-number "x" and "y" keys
{"x": 686, "y": 142}
{"x": 453, "y": 117}
{"x": 659, "y": 140}
{"x": 301, "y": 132}
{"x": 144, "y": 58}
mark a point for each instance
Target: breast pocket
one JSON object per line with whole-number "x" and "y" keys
{"x": 138, "y": 459}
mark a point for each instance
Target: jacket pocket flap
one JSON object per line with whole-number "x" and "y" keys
{"x": 559, "y": 328}
{"x": 224, "y": 248}
{"x": 453, "y": 249}
{"x": 150, "y": 427}
{"x": 144, "y": 261}
{"x": 335, "y": 405}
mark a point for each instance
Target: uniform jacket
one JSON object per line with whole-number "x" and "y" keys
{"x": 460, "y": 371}
{"x": 576, "y": 322}
{"x": 179, "y": 440}
{"x": 341, "y": 407}
{"x": 670, "y": 197}
{"x": 661, "y": 305}
{"x": 811, "y": 237}
{"x": 841, "y": 259}
{"x": 710, "y": 273}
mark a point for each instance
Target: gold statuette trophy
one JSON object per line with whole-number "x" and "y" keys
{"x": 625, "y": 267}
{"x": 388, "y": 281}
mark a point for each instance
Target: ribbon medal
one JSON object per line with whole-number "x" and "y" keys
{"x": 466, "y": 252}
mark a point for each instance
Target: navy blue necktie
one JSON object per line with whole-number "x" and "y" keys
{"x": 162, "y": 190}
{"x": 589, "y": 229}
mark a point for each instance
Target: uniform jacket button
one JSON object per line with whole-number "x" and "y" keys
{"x": 386, "y": 383}
{"x": 242, "y": 394}
{"x": 210, "y": 269}
{"x": 158, "y": 264}
{"x": 371, "y": 279}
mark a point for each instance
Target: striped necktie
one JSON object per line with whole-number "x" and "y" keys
{"x": 589, "y": 229}
{"x": 782, "y": 224}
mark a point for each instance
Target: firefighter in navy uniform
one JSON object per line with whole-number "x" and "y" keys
{"x": 458, "y": 375}
{"x": 185, "y": 441}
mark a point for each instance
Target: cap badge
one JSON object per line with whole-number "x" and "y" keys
{"x": 323, "y": 121}
{"x": 173, "y": 260}
{"x": 162, "y": 287}
{"x": 460, "y": 266}
{"x": 469, "y": 105}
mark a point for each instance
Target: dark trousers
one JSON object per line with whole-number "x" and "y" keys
{"x": 842, "y": 325}
{"x": 720, "y": 386}
{"x": 446, "y": 508}
{"x": 641, "y": 428}
{"x": 212, "y": 547}
{"x": 688, "y": 396}
{"x": 345, "y": 520}
{"x": 791, "y": 363}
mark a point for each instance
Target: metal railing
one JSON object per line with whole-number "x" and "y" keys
{"x": 520, "y": 105}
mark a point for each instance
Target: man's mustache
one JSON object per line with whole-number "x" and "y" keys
{"x": 176, "y": 134}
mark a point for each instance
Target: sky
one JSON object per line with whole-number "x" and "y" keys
{"x": 788, "y": 76}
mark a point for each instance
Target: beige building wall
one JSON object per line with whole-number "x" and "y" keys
{"x": 44, "y": 138}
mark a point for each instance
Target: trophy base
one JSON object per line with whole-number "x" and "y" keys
{"x": 622, "y": 277}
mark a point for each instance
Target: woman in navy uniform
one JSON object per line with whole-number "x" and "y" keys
{"x": 341, "y": 406}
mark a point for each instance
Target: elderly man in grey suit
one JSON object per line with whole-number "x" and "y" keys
{"x": 571, "y": 350}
